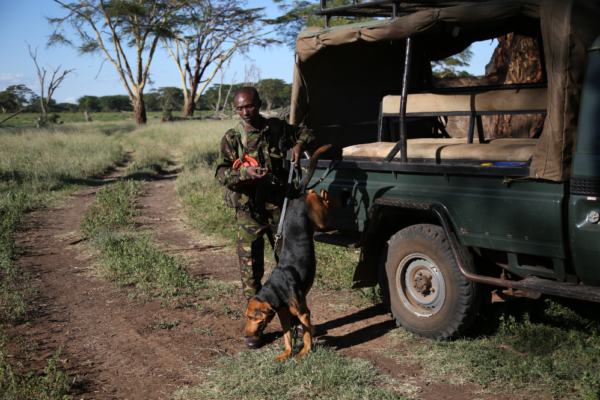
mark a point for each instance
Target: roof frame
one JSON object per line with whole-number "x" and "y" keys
{"x": 387, "y": 8}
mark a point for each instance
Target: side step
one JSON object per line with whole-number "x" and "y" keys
{"x": 572, "y": 290}
{"x": 336, "y": 239}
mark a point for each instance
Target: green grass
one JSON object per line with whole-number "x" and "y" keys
{"x": 322, "y": 374}
{"x": 131, "y": 260}
{"x": 128, "y": 259}
{"x": 551, "y": 346}
{"x": 112, "y": 209}
{"x": 28, "y": 119}
{"x": 14, "y": 286}
{"x": 168, "y": 325}
{"x": 42, "y": 161}
{"x": 16, "y": 385}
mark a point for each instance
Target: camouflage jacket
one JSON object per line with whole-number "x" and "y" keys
{"x": 264, "y": 146}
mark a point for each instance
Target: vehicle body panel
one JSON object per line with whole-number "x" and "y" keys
{"x": 519, "y": 217}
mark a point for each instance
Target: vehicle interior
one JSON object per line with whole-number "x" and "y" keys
{"x": 368, "y": 87}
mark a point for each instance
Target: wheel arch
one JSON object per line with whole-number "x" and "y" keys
{"x": 385, "y": 218}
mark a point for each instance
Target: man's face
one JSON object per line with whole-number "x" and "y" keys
{"x": 248, "y": 108}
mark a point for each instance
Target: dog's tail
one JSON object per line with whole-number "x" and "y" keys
{"x": 311, "y": 169}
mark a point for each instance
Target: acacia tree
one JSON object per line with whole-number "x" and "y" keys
{"x": 447, "y": 68}
{"x": 110, "y": 27}
{"x": 212, "y": 33}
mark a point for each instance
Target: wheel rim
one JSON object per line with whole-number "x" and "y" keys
{"x": 420, "y": 284}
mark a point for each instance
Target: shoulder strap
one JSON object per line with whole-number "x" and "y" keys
{"x": 240, "y": 148}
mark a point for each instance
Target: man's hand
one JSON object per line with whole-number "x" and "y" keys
{"x": 256, "y": 172}
{"x": 296, "y": 152}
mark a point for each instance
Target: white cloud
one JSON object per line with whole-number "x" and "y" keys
{"x": 70, "y": 99}
{"x": 10, "y": 77}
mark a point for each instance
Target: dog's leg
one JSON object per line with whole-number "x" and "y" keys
{"x": 304, "y": 316}
{"x": 285, "y": 319}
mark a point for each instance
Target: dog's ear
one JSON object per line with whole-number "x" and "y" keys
{"x": 331, "y": 202}
{"x": 266, "y": 309}
{"x": 318, "y": 211}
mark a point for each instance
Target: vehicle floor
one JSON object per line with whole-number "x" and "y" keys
{"x": 112, "y": 341}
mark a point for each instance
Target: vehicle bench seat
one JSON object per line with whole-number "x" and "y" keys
{"x": 500, "y": 101}
{"x": 450, "y": 149}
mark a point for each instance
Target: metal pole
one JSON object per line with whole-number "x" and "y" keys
{"x": 405, "y": 80}
{"x": 394, "y": 10}
{"x": 326, "y": 17}
{"x": 401, "y": 145}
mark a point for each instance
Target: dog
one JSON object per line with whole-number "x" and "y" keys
{"x": 285, "y": 291}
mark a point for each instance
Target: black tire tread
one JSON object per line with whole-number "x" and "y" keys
{"x": 468, "y": 291}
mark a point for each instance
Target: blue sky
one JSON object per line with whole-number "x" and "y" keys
{"x": 24, "y": 20}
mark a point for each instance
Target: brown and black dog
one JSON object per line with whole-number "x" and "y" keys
{"x": 285, "y": 291}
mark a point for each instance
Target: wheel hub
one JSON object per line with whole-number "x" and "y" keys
{"x": 421, "y": 285}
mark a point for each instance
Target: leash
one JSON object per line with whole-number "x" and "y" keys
{"x": 280, "y": 227}
{"x": 332, "y": 165}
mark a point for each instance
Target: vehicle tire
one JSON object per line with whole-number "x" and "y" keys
{"x": 284, "y": 114}
{"x": 422, "y": 285}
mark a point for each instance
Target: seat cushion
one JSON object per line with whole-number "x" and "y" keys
{"x": 448, "y": 149}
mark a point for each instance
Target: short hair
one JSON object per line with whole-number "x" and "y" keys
{"x": 248, "y": 90}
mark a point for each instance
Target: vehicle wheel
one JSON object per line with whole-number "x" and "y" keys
{"x": 421, "y": 283}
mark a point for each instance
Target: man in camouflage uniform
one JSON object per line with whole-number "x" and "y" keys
{"x": 260, "y": 187}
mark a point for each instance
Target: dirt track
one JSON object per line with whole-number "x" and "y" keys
{"x": 113, "y": 341}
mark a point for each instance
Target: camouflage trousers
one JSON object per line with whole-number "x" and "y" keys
{"x": 252, "y": 226}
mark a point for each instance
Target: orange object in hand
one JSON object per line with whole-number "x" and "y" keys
{"x": 248, "y": 162}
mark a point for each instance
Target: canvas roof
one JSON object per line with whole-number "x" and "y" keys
{"x": 341, "y": 72}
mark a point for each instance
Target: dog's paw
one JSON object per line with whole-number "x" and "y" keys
{"x": 301, "y": 354}
{"x": 283, "y": 357}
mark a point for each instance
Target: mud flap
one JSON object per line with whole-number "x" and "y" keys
{"x": 367, "y": 269}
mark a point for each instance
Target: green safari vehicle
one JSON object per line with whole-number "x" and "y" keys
{"x": 445, "y": 223}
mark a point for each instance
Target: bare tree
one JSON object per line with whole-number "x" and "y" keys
{"x": 108, "y": 27}
{"x": 55, "y": 82}
{"x": 252, "y": 76}
{"x": 223, "y": 72}
{"x": 214, "y": 31}
{"x": 228, "y": 92}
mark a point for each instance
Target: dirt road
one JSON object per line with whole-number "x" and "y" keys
{"x": 112, "y": 344}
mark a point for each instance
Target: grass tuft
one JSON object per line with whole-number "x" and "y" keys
{"x": 322, "y": 374}
{"x": 132, "y": 261}
{"x": 14, "y": 287}
{"x": 113, "y": 208}
{"x": 14, "y": 385}
{"x": 558, "y": 352}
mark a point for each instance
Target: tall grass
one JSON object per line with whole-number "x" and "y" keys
{"x": 197, "y": 188}
{"x": 43, "y": 161}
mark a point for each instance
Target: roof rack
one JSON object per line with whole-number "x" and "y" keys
{"x": 387, "y": 8}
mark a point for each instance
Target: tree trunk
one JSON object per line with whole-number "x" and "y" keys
{"x": 139, "y": 110}
{"x": 87, "y": 116}
{"x": 515, "y": 60}
{"x": 188, "y": 107}
{"x": 269, "y": 104}
{"x": 44, "y": 109}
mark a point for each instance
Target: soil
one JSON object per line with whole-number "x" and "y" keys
{"x": 112, "y": 343}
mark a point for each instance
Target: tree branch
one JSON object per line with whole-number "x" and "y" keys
{"x": 13, "y": 115}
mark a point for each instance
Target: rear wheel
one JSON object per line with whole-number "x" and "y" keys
{"x": 421, "y": 283}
